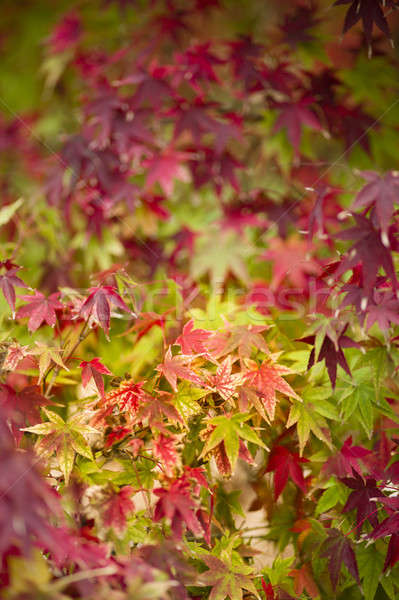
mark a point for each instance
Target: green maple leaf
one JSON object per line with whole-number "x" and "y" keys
{"x": 308, "y": 419}
{"x": 229, "y": 429}
{"x": 48, "y": 355}
{"x": 185, "y": 400}
{"x": 65, "y": 438}
{"x": 227, "y": 581}
{"x": 218, "y": 254}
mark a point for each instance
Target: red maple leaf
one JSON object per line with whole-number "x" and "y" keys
{"x": 155, "y": 408}
{"x": 285, "y": 463}
{"x": 243, "y": 58}
{"x": 97, "y": 306}
{"x": 390, "y": 525}
{"x": 362, "y": 499}
{"x": 383, "y": 309}
{"x": 350, "y": 123}
{"x": 325, "y": 209}
{"x": 21, "y": 408}
{"x": 338, "y": 549}
{"x": 174, "y": 367}
{"x": 331, "y": 352}
{"x": 176, "y": 504}
{"x": 192, "y": 341}
{"x": 293, "y": 116}
{"x": 196, "y": 64}
{"x": 292, "y": 260}
{"x": 266, "y": 381}
{"x": 296, "y": 25}
{"x": 9, "y": 281}
{"x": 196, "y": 119}
{"x": 164, "y": 448}
{"x": 303, "y": 581}
{"x": 146, "y": 321}
{"x": 392, "y": 555}
{"x": 66, "y": 33}
{"x": 117, "y": 508}
{"x": 368, "y": 250}
{"x": 244, "y": 338}
{"x": 164, "y": 168}
{"x": 27, "y": 503}
{"x": 40, "y": 309}
{"x": 346, "y": 460}
{"x": 92, "y": 370}
{"x": 207, "y": 165}
{"x": 224, "y": 382}
{"x": 380, "y": 193}
{"x": 369, "y": 11}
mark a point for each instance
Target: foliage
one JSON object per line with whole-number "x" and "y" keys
{"x": 199, "y": 318}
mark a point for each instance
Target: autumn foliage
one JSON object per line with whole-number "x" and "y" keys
{"x": 199, "y": 344}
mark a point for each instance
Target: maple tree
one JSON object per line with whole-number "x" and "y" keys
{"x": 199, "y": 357}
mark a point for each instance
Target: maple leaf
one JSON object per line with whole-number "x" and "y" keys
{"x": 295, "y": 26}
{"x": 186, "y": 398}
{"x": 164, "y": 168}
{"x": 351, "y": 123}
{"x": 197, "y": 64}
{"x": 227, "y": 580}
{"x": 177, "y": 505}
{"x": 285, "y": 463}
{"x": 117, "y": 508}
{"x": 65, "y": 438}
{"x": 154, "y": 409}
{"x": 266, "y": 380}
{"x": 21, "y": 408}
{"x": 97, "y": 306}
{"x": 329, "y": 347}
{"x": 117, "y": 435}
{"x": 369, "y": 11}
{"x": 338, "y": 549}
{"x": 196, "y": 119}
{"x": 102, "y": 112}
{"x": 228, "y": 430}
{"x": 27, "y": 503}
{"x": 347, "y": 459}
{"x": 369, "y": 251}
{"x": 244, "y": 338}
{"x": 152, "y": 86}
{"x": 93, "y": 369}
{"x": 40, "y": 309}
{"x": 224, "y": 382}
{"x": 382, "y": 193}
{"x": 146, "y": 321}
{"x": 193, "y": 341}
{"x": 318, "y": 216}
{"x": 164, "y": 448}
{"x": 66, "y": 33}
{"x": 174, "y": 367}
{"x": 291, "y": 259}
{"x": 383, "y": 309}
{"x": 293, "y": 116}
{"x": 392, "y": 555}
{"x": 308, "y": 418}
{"x": 207, "y": 166}
{"x": 8, "y": 281}
{"x": 303, "y": 581}
{"x": 128, "y": 397}
{"x": 47, "y": 355}
{"x": 363, "y": 499}
{"x": 130, "y": 132}
{"x": 220, "y": 256}
{"x": 390, "y": 525}
{"x": 15, "y": 353}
